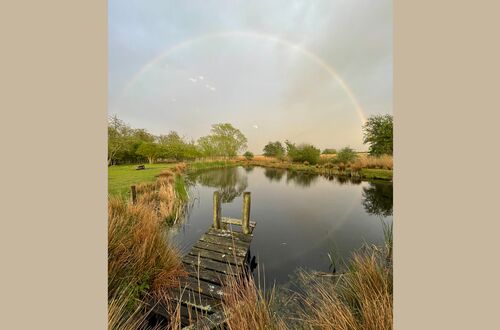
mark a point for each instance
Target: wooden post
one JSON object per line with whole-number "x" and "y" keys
{"x": 245, "y": 222}
{"x": 134, "y": 194}
{"x": 217, "y": 214}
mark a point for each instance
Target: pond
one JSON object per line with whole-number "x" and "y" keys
{"x": 301, "y": 218}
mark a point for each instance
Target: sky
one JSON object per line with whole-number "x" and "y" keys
{"x": 306, "y": 71}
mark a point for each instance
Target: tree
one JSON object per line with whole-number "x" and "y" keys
{"x": 118, "y": 133}
{"x": 224, "y": 140}
{"x": 346, "y": 155}
{"x": 377, "y": 132}
{"x": 274, "y": 149}
{"x": 150, "y": 150}
{"x": 248, "y": 155}
{"x": 207, "y": 146}
{"x": 172, "y": 146}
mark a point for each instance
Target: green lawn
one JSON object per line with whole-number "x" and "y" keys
{"x": 121, "y": 177}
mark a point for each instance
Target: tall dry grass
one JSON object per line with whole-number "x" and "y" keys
{"x": 139, "y": 256}
{"x": 121, "y": 317}
{"x": 382, "y": 162}
{"x": 246, "y": 307}
{"x": 360, "y": 299}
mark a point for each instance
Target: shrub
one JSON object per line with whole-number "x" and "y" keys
{"x": 329, "y": 151}
{"x": 346, "y": 155}
{"x": 248, "y": 155}
{"x": 303, "y": 153}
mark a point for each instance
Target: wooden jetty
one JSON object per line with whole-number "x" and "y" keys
{"x": 221, "y": 252}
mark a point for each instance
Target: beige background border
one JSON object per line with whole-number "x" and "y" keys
{"x": 53, "y": 169}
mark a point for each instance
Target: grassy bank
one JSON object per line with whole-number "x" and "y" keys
{"x": 351, "y": 170}
{"x": 142, "y": 265}
{"x": 121, "y": 177}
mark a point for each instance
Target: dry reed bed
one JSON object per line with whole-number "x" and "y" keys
{"x": 359, "y": 299}
{"x": 140, "y": 261}
{"x": 362, "y": 298}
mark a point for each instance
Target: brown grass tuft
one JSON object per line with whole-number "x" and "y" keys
{"x": 138, "y": 253}
{"x": 246, "y": 307}
{"x": 358, "y": 299}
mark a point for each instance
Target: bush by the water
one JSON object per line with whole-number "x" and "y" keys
{"x": 346, "y": 155}
{"x": 304, "y": 153}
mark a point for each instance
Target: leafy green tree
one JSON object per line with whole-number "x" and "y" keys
{"x": 118, "y": 133}
{"x": 248, "y": 155}
{"x": 346, "y": 155}
{"x": 224, "y": 140}
{"x": 191, "y": 151}
{"x": 207, "y": 145}
{"x": 274, "y": 149}
{"x": 378, "y": 133}
{"x": 172, "y": 146}
{"x": 150, "y": 150}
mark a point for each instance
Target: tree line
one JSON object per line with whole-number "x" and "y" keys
{"x": 377, "y": 133}
{"x": 132, "y": 145}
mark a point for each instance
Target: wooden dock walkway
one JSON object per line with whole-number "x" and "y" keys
{"x": 221, "y": 252}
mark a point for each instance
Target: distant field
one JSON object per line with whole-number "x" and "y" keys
{"x": 121, "y": 177}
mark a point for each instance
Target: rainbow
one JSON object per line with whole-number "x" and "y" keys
{"x": 265, "y": 37}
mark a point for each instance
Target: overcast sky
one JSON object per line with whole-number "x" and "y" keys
{"x": 274, "y": 69}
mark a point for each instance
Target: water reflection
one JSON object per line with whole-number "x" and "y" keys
{"x": 301, "y": 179}
{"x": 248, "y": 169}
{"x": 377, "y": 199}
{"x": 230, "y": 182}
{"x": 274, "y": 174}
{"x": 304, "y": 220}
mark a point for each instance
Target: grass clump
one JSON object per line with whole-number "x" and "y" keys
{"x": 246, "y": 307}
{"x": 361, "y": 298}
{"x": 140, "y": 260}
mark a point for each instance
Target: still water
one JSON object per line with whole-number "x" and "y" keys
{"x": 301, "y": 218}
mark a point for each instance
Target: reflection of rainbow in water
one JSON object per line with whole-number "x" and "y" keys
{"x": 241, "y": 34}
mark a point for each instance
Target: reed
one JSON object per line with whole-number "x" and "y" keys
{"x": 382, "y": 162}
{"x": 360, "y": 298}
{"x": 246, "y": 307}
{"x": 140, "y": 259}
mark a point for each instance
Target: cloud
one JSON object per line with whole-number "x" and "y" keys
{"x": 193, "y": 79}
{"x": 255, "y": 126}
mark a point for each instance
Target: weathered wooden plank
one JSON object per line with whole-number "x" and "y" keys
{"x": 205, "y": 274}
{"x": 212, "y": 321}
{"x": 195, "y": 300}
{"x": 240, "y": 252}
{"x": 224, "y": 241}
{"x": 237, "y": 222}
{"x": 218, "y": 266}
{"x": 222, "y": 257}
{"x": 206, "y": 288}
{"x": 246, "y": 238}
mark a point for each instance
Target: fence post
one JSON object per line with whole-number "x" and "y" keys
{"x": 246, "y": 213}
{"x": 134, "y": 194}
{"x": 217, "y": 214}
